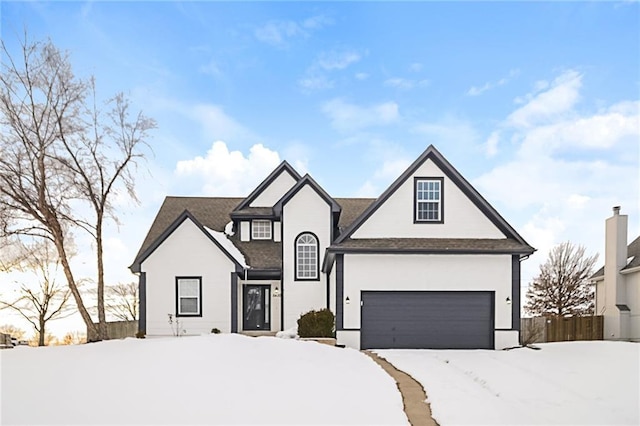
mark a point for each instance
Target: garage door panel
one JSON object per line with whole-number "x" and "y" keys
{"x": 425, "y": 319}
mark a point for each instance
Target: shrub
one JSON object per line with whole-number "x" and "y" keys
{"x": 317, "y": 324}
{"x": 215, "y": 330}
{"x": 140, "y": 334}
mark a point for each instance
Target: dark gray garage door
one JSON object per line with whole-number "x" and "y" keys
{"x": 427, "y": 320}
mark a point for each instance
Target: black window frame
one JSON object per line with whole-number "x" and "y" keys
{"x": 295, "y": 260}
{"x": 199, "y": 278}
{"x": 440, "y": 202}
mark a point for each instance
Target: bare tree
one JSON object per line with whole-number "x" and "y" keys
{"x": 562, "y": 286}
{"x": 122, "y": 301}
{"x": 73, "y": 338}
{"x": 49, "y": 300}
{"x": 13, "y": 331}
{"x": 61, "y": 155}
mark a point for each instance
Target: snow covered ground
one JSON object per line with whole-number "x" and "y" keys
{"x": 569, "y": 383}
{"x": 215, "y": 379}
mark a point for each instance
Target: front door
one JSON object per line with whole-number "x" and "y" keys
{"x": 256, "y": 309}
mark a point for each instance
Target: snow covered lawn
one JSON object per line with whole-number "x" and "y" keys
{"x": 569, "y": 383}
{"x": 215, "y": 379}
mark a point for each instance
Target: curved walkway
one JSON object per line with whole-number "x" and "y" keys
{"x": 413, "y": 396}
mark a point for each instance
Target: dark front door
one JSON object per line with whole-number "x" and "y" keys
{"x": 256, "y": 307}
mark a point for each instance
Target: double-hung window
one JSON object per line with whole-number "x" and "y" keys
{"x": 189, "y": 296}
{"x": 261, "y": 229}
{"x": 428, "y": 200}
{"x": 306, "y": 257}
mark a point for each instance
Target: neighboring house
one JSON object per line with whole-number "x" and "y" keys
{"x": 428, "y": 264}
{"x": 618, "y": 282}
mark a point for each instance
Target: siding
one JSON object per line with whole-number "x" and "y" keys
{"x": 272, "y": 193}
{"x": 188, "y": 252}
{"x": 394, "y": 218}
{"x": 305, "y": 212}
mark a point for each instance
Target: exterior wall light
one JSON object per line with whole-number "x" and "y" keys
{"x": 276, "y": 292}
{"x": 347, "y": 301}
{"x": 508, "y": 300}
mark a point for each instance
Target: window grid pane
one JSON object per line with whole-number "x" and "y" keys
{"x": 428, "y": 200}
{"x": 261, "y": 229}
{"x": 188, "y": 296}
{"x": 307, "y": 258}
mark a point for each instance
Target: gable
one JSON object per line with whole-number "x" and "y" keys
{"x": 395, "y": 217}
{"x": 159, "y": 240}
{"x": 274, "y": 191}
{"x": 189, "y": 248}
{"x": 272, "y": 188}
{"x": 416, "y": 170}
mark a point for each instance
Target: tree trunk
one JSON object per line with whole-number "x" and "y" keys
{"x": 92, "y": 331}
{"x": 41, "y": 332}
{"x": 102, "y": 321}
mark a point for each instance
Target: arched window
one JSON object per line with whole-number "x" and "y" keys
{"x": 306, "y": 257}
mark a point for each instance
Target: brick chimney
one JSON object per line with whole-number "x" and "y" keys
{"x": 615, "y": 253}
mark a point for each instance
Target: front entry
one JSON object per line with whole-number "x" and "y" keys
{"x": 256, "y": 307}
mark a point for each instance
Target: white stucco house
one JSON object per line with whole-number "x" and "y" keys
{"x": 428, "y": 264}
{"x": 618, "y": 282}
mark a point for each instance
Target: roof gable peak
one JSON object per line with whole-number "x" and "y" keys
{"x": 306, "y": 180}
{"x": 282, "y": 167}
{"x": 185, "y": 215}
{"x": 431, "y": 153}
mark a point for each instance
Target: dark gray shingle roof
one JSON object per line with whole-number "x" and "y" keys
{"x": 213, "y": 212}
{"x": 470, "y": 245}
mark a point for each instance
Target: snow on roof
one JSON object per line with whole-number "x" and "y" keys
{"x": 221, "y": 238}
{"x": 228, "y": 229}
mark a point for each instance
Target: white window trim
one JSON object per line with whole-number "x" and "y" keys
{"x": 254, "y": 236}
{"x": 438, "y": 201}
{"x": 179, "y": 297}
{"x": 315, "y": 258}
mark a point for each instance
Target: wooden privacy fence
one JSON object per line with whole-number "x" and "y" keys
{"x": 558, "y": 329}
{"x": 121, "y": 329}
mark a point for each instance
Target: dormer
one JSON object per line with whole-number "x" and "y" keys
{"x": 254, "y": 216}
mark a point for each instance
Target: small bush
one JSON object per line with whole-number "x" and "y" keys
{"x": 140, "y": 334}
{"x": 317, "y": 324}
{"x": 215, "y": 330}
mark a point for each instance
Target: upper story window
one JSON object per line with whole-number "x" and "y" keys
{"x": 306, "y": 257}
{"x": 189, "y": 296}
{"x": 261, "y": 229}
{"x": 428, "y": 200}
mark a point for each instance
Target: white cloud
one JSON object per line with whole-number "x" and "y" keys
{"x": 416, "y": 67}
{"x": 279, "y": 33}
{"x": 337, "y": 59}
{"x": 405, "y": 83}
{"x": 211, "y": 68}
{"x": 229, "y": 173}
{"x": 475, "y": 90}
{"x": 560, "y": 97}
{"x": 348, "y": 117}
{"x": 316, "y": 82}
{"x": 492, "y": 144}
{"x": 599, "y": 131}
{"x": 217, "y": 124}
{"x": 566, "y": 167}
{"x": 317, "y": 75}
{"x": 361, "y": 76}
{"x": 367, "y": 190}
{"x": 448, "y": 131}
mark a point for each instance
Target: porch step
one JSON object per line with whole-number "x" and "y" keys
{"x": 258, "y": 333}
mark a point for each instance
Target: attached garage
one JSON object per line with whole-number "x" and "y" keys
{"x": 427, "y": 320}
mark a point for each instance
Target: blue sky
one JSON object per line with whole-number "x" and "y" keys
{"x": 537, "y": 104}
